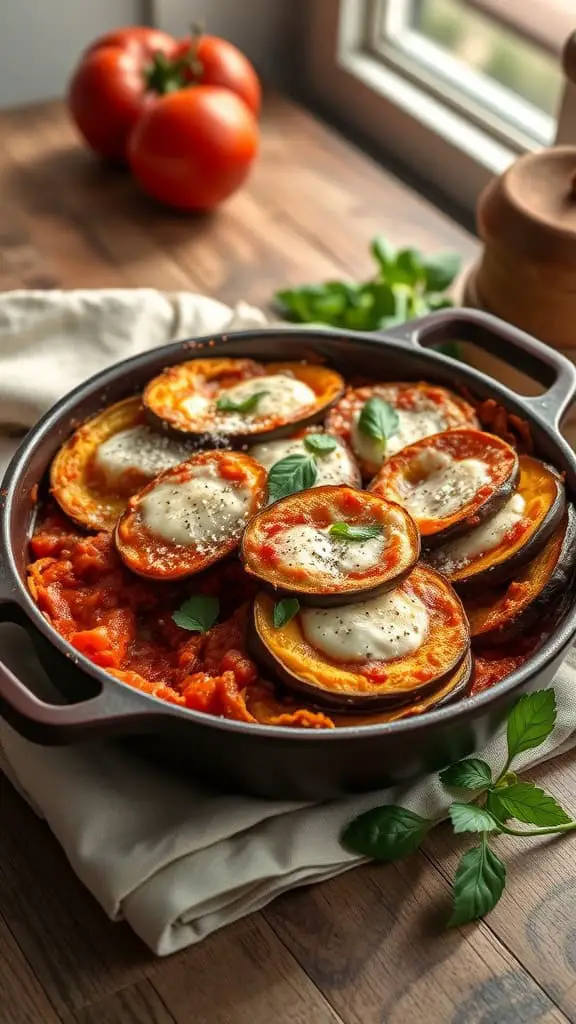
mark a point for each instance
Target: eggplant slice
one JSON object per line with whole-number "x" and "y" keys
{"x": 330, "y": 545}
{"x": 419, "y": 410}
{"x": 107, "y": 460}
{"x": 449, "y": 482}
{"x": 277, "y": 708}
{"x": 191, "y": 516}
{"x": 240, "y": 400}
{"x": 420, "y": 626}
{"x": 494, "y": 551}
{"x": 541, "y": 588}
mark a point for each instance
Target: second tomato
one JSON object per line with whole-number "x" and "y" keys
{"x": 194, "y": 147}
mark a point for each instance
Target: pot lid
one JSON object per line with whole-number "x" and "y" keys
{"x": 532, "y": 206}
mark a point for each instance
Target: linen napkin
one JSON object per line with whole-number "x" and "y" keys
{"x": 175, "y": 861}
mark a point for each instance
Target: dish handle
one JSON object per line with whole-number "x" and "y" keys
{"x": 116, "y": 710}
{"x": 538, "y": 360}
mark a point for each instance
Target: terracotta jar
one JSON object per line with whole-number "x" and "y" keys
{"x": 526, "y": 273}
{"x": 527, "y": 221}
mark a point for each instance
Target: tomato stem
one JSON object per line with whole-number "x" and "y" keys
{"x": 168, "y": 75}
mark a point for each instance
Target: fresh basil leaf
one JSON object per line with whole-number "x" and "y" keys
{"x": 226, "y": 404}
{"x": 494, "y": 807}
{"x": 294, "y": 473}
{"x": 197, "y": 614}
{"x": 378, "y": 419}
{"x": 531, "y": 805}
{"x": 440, "y": 270}
{"x": 348, "y": 532}
{"x": 299, "y": 303}
{"x": 470, "y": 818}
{"x": 383, "y": 253}
{"x": 469, "y": 774}
{"x": 285, "y": 610}
{"x": 531, "y": 721}
{"x": 361, "y": 316}
{"x": 382, "y": 299}
{"x": 320, "y": 444}
{"x": 386, "y": 833}
{"x": 478, "y": 884}
{"x": 408, "y": 268}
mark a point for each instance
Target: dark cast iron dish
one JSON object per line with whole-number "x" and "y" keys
{"x": 265, "y": 760}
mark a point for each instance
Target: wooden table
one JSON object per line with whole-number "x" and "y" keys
{"x": 367, "y": 948}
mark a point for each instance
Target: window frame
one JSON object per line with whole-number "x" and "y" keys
{"x": 394, "y": 111}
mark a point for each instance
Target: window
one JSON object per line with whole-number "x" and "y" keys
{"x": 453, "y": 89}
{"x": 505, "y": 81}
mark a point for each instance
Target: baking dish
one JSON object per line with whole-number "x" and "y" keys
{"x": 274, "y": 761}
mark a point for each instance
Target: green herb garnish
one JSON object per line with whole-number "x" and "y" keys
{"x": 348, "y": 532}
{"x": 294, "y": 473}
{"x": 406, "y": 284}
{"x": 197, "y": 614}
{"x": 226, "y": 404}
{"x": 378, "y": 420}
{"x": 390, "y": 833}
{"x": 285, "y": 610}
{"x": 320, "y": 444}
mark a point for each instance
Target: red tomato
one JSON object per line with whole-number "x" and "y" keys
{"x": 123, "y": 72}
{"x": 193, "y": 148}
{"x": 214, "y": 61}
{"x": 108, "y": 91}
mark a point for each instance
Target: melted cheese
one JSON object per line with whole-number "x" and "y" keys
{"x": 140, "y": 449}
{"x": 284, "y": 398}
{"x": 413, "y": 425}
{"x": 308, "y": 547}
{"x": 197, "y": 406}
{"x": 335, "y": 467}
{"x": 483, "y": 539}
{"x": 389, "y": 626}
{"x": 203, "y": 512}
{"x": 442, "y": 485}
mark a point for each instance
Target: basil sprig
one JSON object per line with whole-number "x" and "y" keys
{"x": 299, "y": 472}
{"x": 227, "y": 404}
{"x": 346, "y": 531}
{"x": 389, "y": 833}
{"x": 197, "y": 614}
{"x": 378, "y": 420}
{"x": 406, "y": 284}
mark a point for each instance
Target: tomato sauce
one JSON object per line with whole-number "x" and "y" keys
{"x": 124, "y": 624}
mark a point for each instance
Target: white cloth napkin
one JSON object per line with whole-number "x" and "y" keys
{"x": 173, "y": 860}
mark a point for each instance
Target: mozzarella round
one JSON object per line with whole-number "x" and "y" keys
{"x": 197, "y": 405}
{"x": 389, "y": 626}
{"x": 308, "y": 547}
{"x": 483, "y": 539}
{"x": 139, "y": 449}
{"x": 203, "y": 512}
{"x": 283, "y": 397}
{"x": 413, "y": 425}
{"x": 334, "y": 467}
{"x": 439, "y": 485}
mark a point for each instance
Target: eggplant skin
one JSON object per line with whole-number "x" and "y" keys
{"x": 557, "y": 587}
{"x": 496, "y": 501}
{"x": 504, "y": 571}
{"x": 329, "y": 600}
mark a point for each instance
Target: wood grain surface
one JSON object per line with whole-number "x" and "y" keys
{"x": 368, "y": 947}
